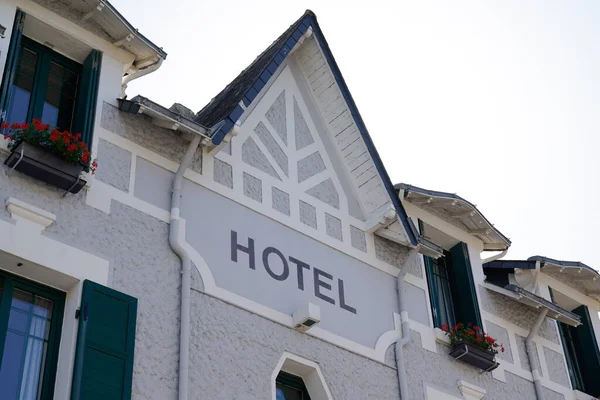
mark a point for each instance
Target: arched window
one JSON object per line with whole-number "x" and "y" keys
{"x": 296, "y": 378}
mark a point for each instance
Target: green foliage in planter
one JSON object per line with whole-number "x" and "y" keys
{"x": 472, "y": 334}
{"x": 66, "y": 145}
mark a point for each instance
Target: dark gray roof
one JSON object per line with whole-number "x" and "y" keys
{"x": 533, "y": 300}
{"x": 221, "y": 106}
{"x": 177, "y": 113}
{"x": 224, "y": 109}
{"x": 566, "y": 264}
{"x": 510, "y": 264}
{"x": 494, "y": 242}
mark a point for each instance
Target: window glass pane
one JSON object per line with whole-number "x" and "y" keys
{"x": 22, "y": 300}
{"x": 443, "y": 300}
{"x": 14, "y": 350}
{"x": 40, "y": 328}
{"x": 20, "y": 91}
{"x": 26, "y": 344}
{"x": 17, "y": 320}
{"x": 42, "y": 307}
{"x": 285, "y": 392}
{"x": 60, "y": 94}
{"x": 33, "y": 369}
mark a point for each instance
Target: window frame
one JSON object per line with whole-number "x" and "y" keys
{"x": 9, "y": 283}
{"x": 293, "y": 381}
{"x": 570, "y": 350}
{"x": 448, "y": 296}
{"x": 45, "y": 57}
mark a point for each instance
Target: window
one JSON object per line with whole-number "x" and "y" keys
{"x": 40, "y": 83}
{"x": 440, "y": 290}
{"x": 30, "y": 326}
{"x": 451, "y": 287}
{"x": 581, "y": 353}
{"x": 44, "y": 87}
{"x": 290, "y": 387}
{"x": 570, "y": 348}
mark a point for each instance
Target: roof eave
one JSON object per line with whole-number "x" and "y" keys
{"x": 501, "y": 245}
{"x": 534, "y": 301}
{"x": 168, "y": 119}
{"x": 158, "y": 50}
{"x": 306, "y": 22}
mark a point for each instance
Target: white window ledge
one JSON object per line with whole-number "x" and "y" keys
{"x": 441, "y": 337}
{"x": 577, "y": 395}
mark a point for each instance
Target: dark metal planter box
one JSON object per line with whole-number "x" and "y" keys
{"x": 41, "y": 164}
{"x": 474, "y": 355}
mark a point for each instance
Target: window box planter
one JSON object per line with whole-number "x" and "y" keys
{"x": 41, "y": 164}
{"x": 472, "y": 354}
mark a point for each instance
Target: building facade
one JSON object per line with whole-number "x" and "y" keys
{"x": 256, "y": 249}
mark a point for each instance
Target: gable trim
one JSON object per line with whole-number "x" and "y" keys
{"x": 309, "y": 20}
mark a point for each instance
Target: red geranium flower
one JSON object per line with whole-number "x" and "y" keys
{"x": 471, "y": 332}
{"x": 24, "y": 125}
{"x": 16, "y": 125}
{"x": 445, "y": 327}
{"x": 5, "y": 125}
{"x": 54, "y": 135}
{"x": 71, "y": 148}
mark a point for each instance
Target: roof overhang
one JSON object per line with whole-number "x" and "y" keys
{"x": 117, "y": 30}
{"x": 587, "y": 277}
{"x": 534, "y": 301}
{"x": 458, "y": 212}
{"x": 230, "y": 104}
{"x": 162, "y": 116}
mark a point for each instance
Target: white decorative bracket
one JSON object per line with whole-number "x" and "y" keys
{"x": 381, "y": 220}
{"x": 470, "y": 391}
{"x": 25, "y": 212}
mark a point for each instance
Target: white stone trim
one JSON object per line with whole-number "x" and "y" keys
{"x": 432, "y": 393}
{"x": 21, "y": 210}
{"x": 308, "y": 370}
{"x": 100, "y": 195}
{"x": 577, "y": 395}
{"x": 427, "y": 333}
{"x": 515, "y": 329}
{"x": 50, "y": 263}
{"x": 470, "y": 391}
{"x": 210, "y": 288}
{"x": 568, "y": 291}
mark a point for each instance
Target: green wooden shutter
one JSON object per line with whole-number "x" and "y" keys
{"x": 465, "y": 295}
{"x": 432, "y": 291}
{"x": 11, "y": 63}
{"x": 105, "y": 344}
{"x": 589, "y": 355}
{"x": 85, "y": 110}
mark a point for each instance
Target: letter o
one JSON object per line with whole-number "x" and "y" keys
{"x": 286, "y": 270}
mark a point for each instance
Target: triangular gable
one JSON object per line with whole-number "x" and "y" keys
{"x": 288, "y": 147}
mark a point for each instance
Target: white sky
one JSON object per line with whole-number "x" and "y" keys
{"x": 497, "y": 101}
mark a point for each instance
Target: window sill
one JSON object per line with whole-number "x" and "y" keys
{"x": 4, "y": 147}
{"x": 440, "y": 337}
{"x": 577, "y": 395}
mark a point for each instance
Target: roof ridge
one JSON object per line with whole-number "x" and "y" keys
{"x": 249, "y": 69}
